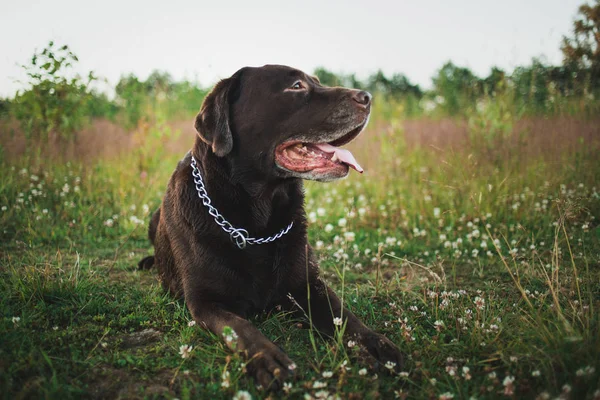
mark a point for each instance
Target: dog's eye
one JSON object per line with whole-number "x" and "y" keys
{"x": 298, "y": 85}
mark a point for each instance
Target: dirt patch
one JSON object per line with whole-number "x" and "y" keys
{"x": 112, "y": 383}
{"x": 139, "y": 339}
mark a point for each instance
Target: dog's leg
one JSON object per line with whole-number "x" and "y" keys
{"x": 324, "y": 308}
{"x": 269, "y": 365}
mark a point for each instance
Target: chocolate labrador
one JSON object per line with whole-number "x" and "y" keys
{"x": 230, "y": 235}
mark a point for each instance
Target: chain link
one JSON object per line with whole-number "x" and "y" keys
{"x": 239, "y": 236}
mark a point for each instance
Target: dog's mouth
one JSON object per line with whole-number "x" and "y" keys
{"x": 320, "y": 158}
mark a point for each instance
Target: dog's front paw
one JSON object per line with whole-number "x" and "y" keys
{"x": 270, "y": 367}
{"x": 384, "y": 351}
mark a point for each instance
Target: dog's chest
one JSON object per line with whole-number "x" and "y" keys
{"x": 262, "y": 279}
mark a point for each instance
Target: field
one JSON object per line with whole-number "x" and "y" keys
{"x": 477, "y": 254}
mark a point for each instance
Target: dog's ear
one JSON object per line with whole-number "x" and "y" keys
{"x": 212, "y": 123}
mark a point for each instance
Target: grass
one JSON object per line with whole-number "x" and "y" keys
{"x": 478, "y": 257}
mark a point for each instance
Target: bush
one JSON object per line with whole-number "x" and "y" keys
{"x": 53, "y": 106}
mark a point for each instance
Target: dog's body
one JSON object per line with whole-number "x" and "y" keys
{"x": 259, "y": 133}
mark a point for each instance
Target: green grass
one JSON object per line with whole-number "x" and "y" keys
{"x": 403, "y": 245}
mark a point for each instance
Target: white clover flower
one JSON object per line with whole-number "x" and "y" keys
{"x": 451, "y": 370}
{"x": 192, "y": 323}
{"x": 349, "y": 236}
{"x": 589, "y": 370}
{"x": 337, "y": 321}
{"x": 351, "y": 343}
{"x": 479, "y": 303}
{"x": 230, "y": 336}
{"x": 390, "y": 364}
{"x": 328, "y": 228}
{"x": 327, "y": 374}
{"x": 342, "y": 222}
{"x": 242, "y": 395}
{"x": 466, "y": 372}
{"x": 436, "y": 212}
{"x": 109, "y": 223}
{"x": 319, "y": 385}
{"x": 319, "y": 244}
{"x": 362, "y": 372}
{"x": 508, "y": 384}
{"x": 287, "y": 387}
{"x": 185, "y": 350}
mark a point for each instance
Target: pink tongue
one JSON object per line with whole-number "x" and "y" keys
{"x": 341, "y": 154}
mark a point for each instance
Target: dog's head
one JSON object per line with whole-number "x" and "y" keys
{"x": 281, "y": 122}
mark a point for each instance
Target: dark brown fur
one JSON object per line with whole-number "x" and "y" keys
{"x": 239, "y": 125}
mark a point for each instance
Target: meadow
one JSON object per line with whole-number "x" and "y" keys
{"x": 472, "y": 241}
{"x": 475, "y": 249}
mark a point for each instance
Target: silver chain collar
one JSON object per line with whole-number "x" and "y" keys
{"x": 239, "y": 236}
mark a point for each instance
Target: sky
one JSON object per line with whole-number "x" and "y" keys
{"x": 208, "y": 40}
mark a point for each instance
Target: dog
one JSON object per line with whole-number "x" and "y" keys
{"x": 230, "y": 236}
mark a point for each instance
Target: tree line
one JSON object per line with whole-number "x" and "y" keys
{"x": 54, "y": 102}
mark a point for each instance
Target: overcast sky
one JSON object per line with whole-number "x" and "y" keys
{"x": 207, "y": 40}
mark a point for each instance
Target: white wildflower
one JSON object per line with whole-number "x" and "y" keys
{"x": 242, "y": 395}
{"x": 185, "y": 350}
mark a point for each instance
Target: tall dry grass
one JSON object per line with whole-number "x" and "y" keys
{"x": 532, "y": 137}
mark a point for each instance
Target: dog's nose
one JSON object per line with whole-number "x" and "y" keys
{"x": 363, "y": 98}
